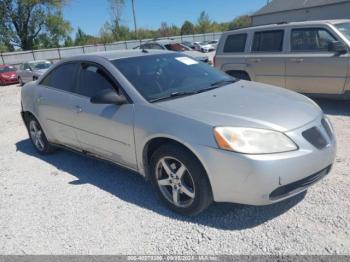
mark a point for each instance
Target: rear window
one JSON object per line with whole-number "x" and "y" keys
{"x": 235, "y": 43}
{"x": 268, "y": 41}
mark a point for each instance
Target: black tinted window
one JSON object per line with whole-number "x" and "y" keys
{"x": 63, "y": 77}
{"x": 235, "y": 43}
{"x": 268, "y": 41}
{"x": 92, "y": 80}
{"x": 311, "y": 39}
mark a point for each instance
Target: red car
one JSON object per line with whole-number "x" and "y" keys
{"x": 8, "y": 75}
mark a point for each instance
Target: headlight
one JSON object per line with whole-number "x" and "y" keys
{"x": 252, "y": 140}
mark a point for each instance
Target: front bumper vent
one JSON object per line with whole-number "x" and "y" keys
{"x": 286, "y": 190}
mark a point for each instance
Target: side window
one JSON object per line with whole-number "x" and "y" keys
{"x": 63, "y": 77}
{"x": 268, "y": 41}
{"x": 92, "y": 80}
{"x": 235, "y": 43}
{"x": 26, "y": 66}
{"x": 310, "y": 39}
{"x": 156, "y": 46}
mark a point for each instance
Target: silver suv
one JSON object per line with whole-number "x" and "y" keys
{"x": 309, "y": 57}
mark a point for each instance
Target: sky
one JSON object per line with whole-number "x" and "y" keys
{"x": 90, "y": 15}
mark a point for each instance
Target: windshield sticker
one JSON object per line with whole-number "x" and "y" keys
{"x": 186, "y": 60}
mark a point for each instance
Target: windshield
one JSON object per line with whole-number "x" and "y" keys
{"x": 176, "y": 47}
{"x": 344, "y": 29}
{"x": 41, "y": 65}
{"x": 159, "y": 77}
{"x": 7, "y": 69}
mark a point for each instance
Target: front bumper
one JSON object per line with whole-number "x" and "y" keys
{"x": 255, "y": 179}
{"x": 9, "y": 81}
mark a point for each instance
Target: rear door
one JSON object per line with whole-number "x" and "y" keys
{"x": 267, "y": 57}
{"x": 104, "y": 130}
{"x": 55, "y": 105}
{"x": 311, "y": 68}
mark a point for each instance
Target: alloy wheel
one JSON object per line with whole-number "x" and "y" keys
{"x": 36, "y": 135}
{"x": 175, "y": 182}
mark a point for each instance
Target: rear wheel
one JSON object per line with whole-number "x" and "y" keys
{"x": 180, "y": 180}
{"x": 38, "y": 137}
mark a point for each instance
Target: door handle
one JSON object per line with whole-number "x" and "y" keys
{"x": 298, "y": 60}
{"x": 255, "y": 60}
{"x": 78, "y": 109}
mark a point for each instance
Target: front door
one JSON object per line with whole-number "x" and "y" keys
{"x": 104, "y": 130}
{"x": 55, "y": 105}
{"x": 311, "y": 68}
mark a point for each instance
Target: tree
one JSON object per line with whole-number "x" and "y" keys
{"x": 203, "y": 23}
{"x": 241, "y": 21}
{"x": 68, "y": 42}
{"x": 81, "y": 38}
{"x": 25, "y": 22}
{"x": 187, "y": 28}
{"x": 164, "y": 30}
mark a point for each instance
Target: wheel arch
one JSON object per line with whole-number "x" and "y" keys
{"x": 155, "y": 142}
{"x": 233, "y": 72}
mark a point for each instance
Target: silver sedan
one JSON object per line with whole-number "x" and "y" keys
{"x": 196, "y": 133}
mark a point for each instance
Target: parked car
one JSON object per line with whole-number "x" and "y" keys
{"x": 188, "y": 44}
{"x": 309, "y": 57}
{"x": 204, "y": 47}
{"x": 214, "y": 43}
{"x": 175, "y": 46}
{"x": 32, "y": 70}
{"x": 195, "y": 132}
{"x": 8, "y": 75}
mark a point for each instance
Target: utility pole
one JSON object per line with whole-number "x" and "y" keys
{"x": 133, "y": 12}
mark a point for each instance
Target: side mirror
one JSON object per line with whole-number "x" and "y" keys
{"x": 337, "y": 47}
{"x": 108, "y": 97}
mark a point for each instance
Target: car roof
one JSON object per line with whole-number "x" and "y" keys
{"x": 36, "y": 61}
{"x": 282, "y": 25}
{"x": 114, "y": 55}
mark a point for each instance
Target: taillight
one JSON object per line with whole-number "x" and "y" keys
{"x": 214, "y": 61}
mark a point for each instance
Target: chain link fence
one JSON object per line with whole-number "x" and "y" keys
{"x": 55, "y": 54}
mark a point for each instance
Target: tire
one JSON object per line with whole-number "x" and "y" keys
{"x": 21, "y": 83}
{"x": 187, "y": 178}
{"x": 38, "y": 137}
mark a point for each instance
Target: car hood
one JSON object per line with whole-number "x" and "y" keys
{"x": 247, "y": 104}
{"x": 195, "y": 54}
{"x": 8, "y": 74}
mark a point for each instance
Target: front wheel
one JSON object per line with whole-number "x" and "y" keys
{"x": 180, "y": 180}
{"x": 38, "y": 137}
{"x": 20, "y": 81}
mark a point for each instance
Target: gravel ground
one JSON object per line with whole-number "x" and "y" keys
{"x": 68, "y": 204}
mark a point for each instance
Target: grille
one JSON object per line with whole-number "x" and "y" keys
{"x": 300, "y": 184}
{"x": 328, "y": 129}
{"x": 315, "y": 137}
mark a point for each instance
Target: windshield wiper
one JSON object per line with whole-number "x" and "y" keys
{"x": 223, "y": 82}
{"x": 217, "y": 85}
{"x": 173, "y": 95}
{"x": 214, "y": 85}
